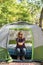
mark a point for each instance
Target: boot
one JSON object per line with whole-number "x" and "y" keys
{"x": 18, "y": 58}
{"x": 23, "y": 58}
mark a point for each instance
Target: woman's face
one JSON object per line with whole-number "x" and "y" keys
{"x": 20, "y": 35}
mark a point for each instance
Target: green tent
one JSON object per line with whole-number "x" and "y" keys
{"x": 37, "y": 43}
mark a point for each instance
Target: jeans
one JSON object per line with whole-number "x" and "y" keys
{"x": 21, "y": 51}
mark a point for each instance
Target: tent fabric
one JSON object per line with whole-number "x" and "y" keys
{"x": 4, "y": 55}
{"x": 38, "y": 36}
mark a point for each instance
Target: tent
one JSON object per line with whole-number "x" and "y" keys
{"x": 37, "y": 45}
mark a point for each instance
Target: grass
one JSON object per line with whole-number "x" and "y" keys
{"x": 24, "y": 29}
{"x": 14, "y": 41}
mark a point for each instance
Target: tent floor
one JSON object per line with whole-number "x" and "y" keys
{"x": 26, "y": 60}
{"x": 15, "y": 57}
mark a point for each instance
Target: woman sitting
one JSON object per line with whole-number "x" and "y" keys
{"x": 20, "y": 47}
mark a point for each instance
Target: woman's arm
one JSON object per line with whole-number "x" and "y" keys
{"x": 21, "y": 43}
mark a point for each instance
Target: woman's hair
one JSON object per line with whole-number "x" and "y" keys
{"x": 20, "y": 33}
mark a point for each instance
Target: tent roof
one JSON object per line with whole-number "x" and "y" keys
{"x": 19, "y": 24}
{"x": 37, "y": 33}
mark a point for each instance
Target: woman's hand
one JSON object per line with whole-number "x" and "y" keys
{"x": 20, "y": 43}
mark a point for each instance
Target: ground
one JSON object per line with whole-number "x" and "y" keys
{"x": 14, "y": 63}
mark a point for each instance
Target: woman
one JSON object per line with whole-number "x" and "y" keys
{"x": 20, "y": 48}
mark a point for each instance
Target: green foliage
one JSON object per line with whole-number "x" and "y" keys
{"x": 11, "y": 11}
{"x": 24, "y": 29}
{"x": 14, "y": 41}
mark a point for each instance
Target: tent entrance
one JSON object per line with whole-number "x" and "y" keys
{"x": 27, "y": 33}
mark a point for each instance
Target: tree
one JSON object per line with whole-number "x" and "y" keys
{"x": 12, "y": 10}
{"x": 41, "y": 15}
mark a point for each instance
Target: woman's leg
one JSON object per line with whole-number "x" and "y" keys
{"x": 24, "y": 53}
{"x": 18, "y": 53}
